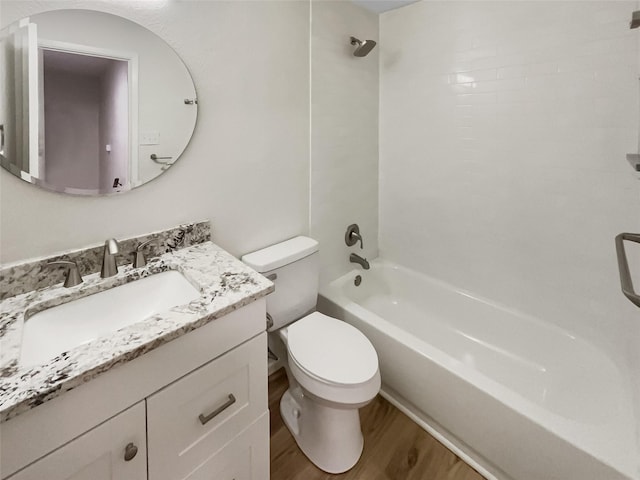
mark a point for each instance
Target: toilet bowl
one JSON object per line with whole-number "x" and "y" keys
{"x": 334, "y": 369}
{"x": 331, "y": 366}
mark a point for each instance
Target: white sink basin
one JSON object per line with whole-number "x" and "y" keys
{"x": 50, "y": 332}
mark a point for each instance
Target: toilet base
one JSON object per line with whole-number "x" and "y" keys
{"x": 330, "y": 437}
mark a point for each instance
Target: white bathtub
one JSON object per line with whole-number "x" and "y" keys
{"x": 518, "y": 398}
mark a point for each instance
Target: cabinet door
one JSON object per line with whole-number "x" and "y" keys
{"x": 98, "y": 454}
{"x": 196, "y": 416}
{"x": 246, "y": 457}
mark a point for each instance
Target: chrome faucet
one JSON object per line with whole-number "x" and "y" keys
{"x": 109, "y": 265}
{"x": 355, "y": 258}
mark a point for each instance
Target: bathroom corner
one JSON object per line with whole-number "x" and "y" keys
{"x": 344, "y": 134}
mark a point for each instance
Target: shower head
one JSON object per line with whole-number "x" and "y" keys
{"x": 363, "y": 47}
{"x": 635, "y": 19}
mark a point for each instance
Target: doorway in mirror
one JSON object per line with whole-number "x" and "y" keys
{"x": 85, "y": 132}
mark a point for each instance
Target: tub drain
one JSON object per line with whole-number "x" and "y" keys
{"x": 358, "y": 280}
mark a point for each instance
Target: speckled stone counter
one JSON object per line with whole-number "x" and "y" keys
{"x": 225, "y": 283}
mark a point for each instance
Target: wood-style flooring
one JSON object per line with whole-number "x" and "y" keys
{"x": 395, "y": 448}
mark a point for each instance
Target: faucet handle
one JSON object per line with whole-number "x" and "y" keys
{"x": 72, "y": 276}
{"x": 352, "y": 236}
{"x": 139, "y": 260}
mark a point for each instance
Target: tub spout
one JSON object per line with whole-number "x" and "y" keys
{"x": 354, "y": 258}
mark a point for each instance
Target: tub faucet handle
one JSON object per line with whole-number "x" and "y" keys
{"x": 353, "y": 236}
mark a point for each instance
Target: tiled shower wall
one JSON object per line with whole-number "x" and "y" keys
{"x": 344, "y": 133}
{"x": 503, "y": 133}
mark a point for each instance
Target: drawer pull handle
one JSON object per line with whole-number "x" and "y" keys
{"x": 204, "y": 419}
{"x": 130, "y": 451}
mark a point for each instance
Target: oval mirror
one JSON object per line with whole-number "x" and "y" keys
{"x": 91, "y": 103}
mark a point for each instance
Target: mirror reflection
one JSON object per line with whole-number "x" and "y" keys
{"x": 91, "y": 103}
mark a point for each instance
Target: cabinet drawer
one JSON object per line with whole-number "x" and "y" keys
{"x": 246, "y": 457}
{"x": 196, "y": 416}
{"x": 98, "y": 454}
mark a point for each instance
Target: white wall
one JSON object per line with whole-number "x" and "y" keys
{"x": 504, "y": 129}
{"x": 344, "y": 133}
{"x": 247, "y": 167}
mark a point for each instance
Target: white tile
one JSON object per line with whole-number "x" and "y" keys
{"x": 515, "y": 71}
{"x": 475, "y": 98}
{"x": 473, "y": 76}
{"x": 545, "y": 68}
{"x": 523, "y": 149}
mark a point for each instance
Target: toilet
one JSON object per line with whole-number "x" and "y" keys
{"x": 331, "y": 366}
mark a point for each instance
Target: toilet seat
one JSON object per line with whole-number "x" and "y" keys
{"x": 332, "y": 359}
{"x": 331, "y": 350}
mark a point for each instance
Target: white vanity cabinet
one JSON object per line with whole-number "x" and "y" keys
{"x": 114, "y": 450}
{"x": 195, "y": 408}
{"x": 191, "y": 421}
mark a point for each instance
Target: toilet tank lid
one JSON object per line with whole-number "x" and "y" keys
{"x": 280, "y": 254}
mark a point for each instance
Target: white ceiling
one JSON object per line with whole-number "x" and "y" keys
{"x": 380, "y": 6}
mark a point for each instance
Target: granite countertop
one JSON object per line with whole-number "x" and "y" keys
{"x": 225, "y": 284}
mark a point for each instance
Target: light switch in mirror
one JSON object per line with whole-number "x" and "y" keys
{"x": 91, "y": 103}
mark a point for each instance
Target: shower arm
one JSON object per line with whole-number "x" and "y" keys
{"x": 623, "y": 266}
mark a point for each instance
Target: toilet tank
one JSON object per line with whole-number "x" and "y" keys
{"x": 296, "y": 267}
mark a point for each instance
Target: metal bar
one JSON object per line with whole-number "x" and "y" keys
{"x": 623, "y": 266}
{"x": 156, "y": 157}
{"x": 206, "y": 418}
